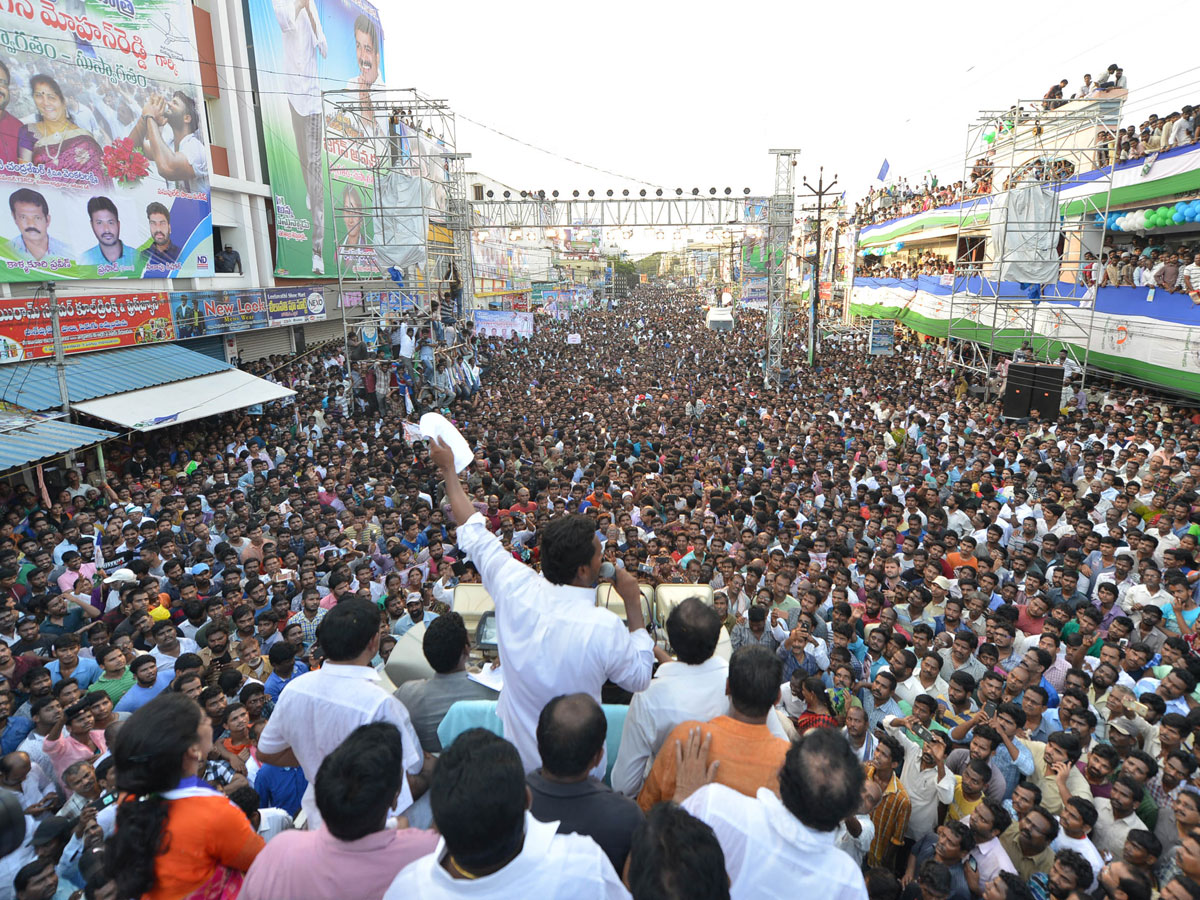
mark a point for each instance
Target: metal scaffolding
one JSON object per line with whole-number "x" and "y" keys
{"x": 1018, "y": 151}
{"x": 397, "y": 192}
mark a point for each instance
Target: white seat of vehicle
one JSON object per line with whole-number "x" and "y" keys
{"x": 608, "y": 598}
{"x": 407, "y": 660}
{"x": 471, "y": 601}
{"x": 668, "y": 596}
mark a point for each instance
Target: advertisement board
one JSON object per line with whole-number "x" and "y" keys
{"x": 882, "y": 337}
{"x": 198, "y": 313}
{"x": 88, "y": 323}
{"x": 301, "y": 50}
{"x": 104, "y": 154}
{"x": 503, "y": 323}
{"x": 295, "y": 305}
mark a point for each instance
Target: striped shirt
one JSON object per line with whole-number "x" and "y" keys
{"x": 890, "y": 818}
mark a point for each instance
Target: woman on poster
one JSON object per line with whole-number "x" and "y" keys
{"x": 54, "y": 140}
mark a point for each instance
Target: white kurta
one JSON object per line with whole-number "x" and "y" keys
{"x": 770, "y": 853}
{"x": 550, "y": 865}
{"x": 553, "y": 640}
{"x": 318, "y": 710}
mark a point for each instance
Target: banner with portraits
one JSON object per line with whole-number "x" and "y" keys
{"x": 104, "y": 155}
{"x": 300, "y": 50}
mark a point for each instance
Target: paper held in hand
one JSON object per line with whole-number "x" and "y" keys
{"x": 435, "y": 425}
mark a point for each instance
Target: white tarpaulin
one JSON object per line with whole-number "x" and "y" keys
{"x": 183, "y": 401}
{"x": 1025, "y": 236}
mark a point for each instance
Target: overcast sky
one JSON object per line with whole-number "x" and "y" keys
{"x": 694, "y": 95}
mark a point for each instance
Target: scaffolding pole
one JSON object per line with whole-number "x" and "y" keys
{"x": 1044, "y": 149}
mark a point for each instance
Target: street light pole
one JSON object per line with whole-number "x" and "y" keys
{"x": 815, "y": 289}
{"x": 60, "y": 364}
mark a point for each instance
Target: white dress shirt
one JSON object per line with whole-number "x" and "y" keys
{"x": 855, "y": 847}
{"x": 769, "y": 852}
{"x": 320, "y": 709}
{"x": 925, "y": 789}
{"x": 1110, "y": 833}
{"x": 991, "y": 859}
{"x": 678, "y": 693}
{"x": 911, "y": 689}
{"x": 553, "y": 640}
{"x": 550, "y": 865}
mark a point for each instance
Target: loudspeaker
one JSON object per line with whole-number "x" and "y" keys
{"x": 1047, "y": 392}
{"x": 1018, "y": 390}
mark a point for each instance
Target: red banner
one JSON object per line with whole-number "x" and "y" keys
{"x": 88, "y": 323}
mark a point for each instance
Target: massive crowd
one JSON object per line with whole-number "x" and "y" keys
{"x": 962, "y": 648}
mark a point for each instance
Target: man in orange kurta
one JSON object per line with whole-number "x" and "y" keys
{"x": 747, "y": 755}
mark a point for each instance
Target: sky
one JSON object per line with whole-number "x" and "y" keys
{"x": 695, "y": 95}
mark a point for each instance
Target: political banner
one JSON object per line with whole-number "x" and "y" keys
{"x": 882, "y": 338}
{"x": 88, "y": 323}
{"x": 199, "y": 313}
{"x": 392, "y": 303}
{"x": 301, "y": 50}
{"x": 295, "y": 305}
{"x": 503, "y": 323}
{"x": 104, "y": 154}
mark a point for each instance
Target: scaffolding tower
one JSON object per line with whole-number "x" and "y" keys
{"x": 1029, "y": 155}
{"x": 398, "y": 194}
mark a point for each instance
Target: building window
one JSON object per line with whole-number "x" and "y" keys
{"x": 478, "y": 189}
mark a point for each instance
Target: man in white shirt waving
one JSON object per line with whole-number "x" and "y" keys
{"x": 552, "y": 637}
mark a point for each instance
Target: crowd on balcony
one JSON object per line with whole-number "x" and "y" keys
{"x": 1132, "y": 142}
{"x": 928, "y": 263}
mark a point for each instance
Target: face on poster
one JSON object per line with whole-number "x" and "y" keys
{"x": 301, "y": 50}
{"x": 104, "y": 159}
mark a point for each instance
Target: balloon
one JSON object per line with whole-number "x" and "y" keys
{"x": 1177, "y": 218}
{"x": 1190, "y": 215}
{"x": 989, "y": 137}
{"x": 1180, "y": 206}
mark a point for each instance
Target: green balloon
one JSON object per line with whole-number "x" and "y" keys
{"x": 989, "y": 137}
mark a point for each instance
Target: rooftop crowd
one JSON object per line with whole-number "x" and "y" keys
{"x": 1121, "y": 145}
{"x": 962, "y": 648}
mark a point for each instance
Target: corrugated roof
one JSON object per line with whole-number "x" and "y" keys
{"x": 34, "y": 385}
{"x": 39, "y": 440}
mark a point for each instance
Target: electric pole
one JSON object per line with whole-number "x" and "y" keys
{"x": 815, "y": 289}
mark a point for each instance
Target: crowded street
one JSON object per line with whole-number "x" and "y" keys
{"x": 956, "y": 648}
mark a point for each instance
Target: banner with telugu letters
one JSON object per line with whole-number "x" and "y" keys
{"x": 104, "y": 154}
{"x": 88, "y": 323}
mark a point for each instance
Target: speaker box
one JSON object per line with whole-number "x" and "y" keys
{"x": 1018, "y": 390}
{"x": 1046, "y": 395}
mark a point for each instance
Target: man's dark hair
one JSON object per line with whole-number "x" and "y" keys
{"x": 158, "y": 208}
{"x": 895, "y": 749}
{"x": 189, "y": 109}
{"x": 478, "y": 799}
{"x": 821, "y": 803}
{"x": 30, "y": 871}
{"x": 348, "y": 628}
{"x": 571, "y": 730}
{"x": 568, "y": 542}
{"x": 754, "y": 676}
{"x": 1079, "y": 867}
{"x": 102, "y": 204}
{"x": 357, "y": 783}
{"x": 1001, "y": 818}
{"x": 369, "y": 28}
{"x": 1015, "y": 887}
{"x": 281, "y": 652}
{"x": 675, "y": 856}
{"x": 882, "y": 884}
{"x": 693, "y": 628}
{"x": 444, "y": 642}
{"x": 1069, "y": 743}
{"x": 138, "y": 661}
{"x": 25, "y": 195}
